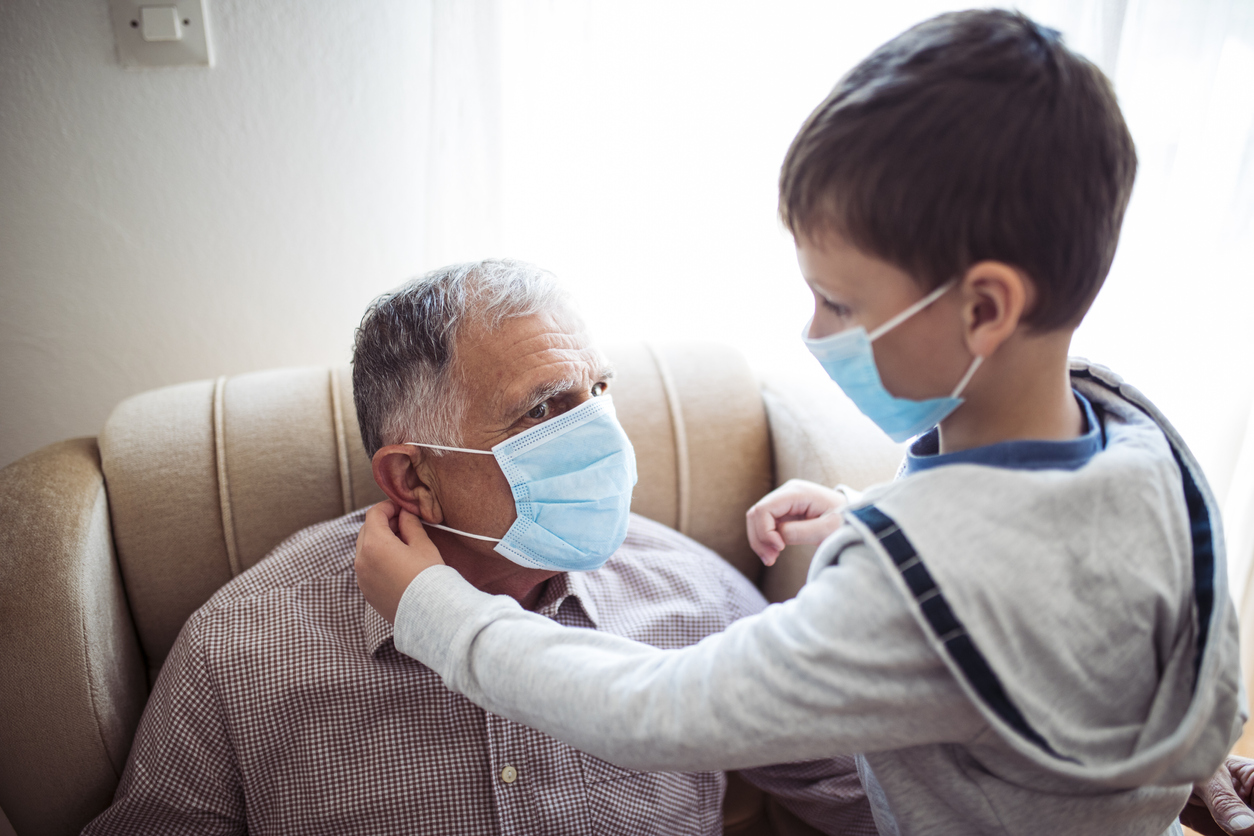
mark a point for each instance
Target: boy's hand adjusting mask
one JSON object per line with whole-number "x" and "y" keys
{"x": 847, "y": 358}
{"x": 571, "y": 477}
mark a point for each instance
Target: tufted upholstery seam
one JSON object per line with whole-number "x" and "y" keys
{"x": 341, "y": 442}
{"x": 93, "y": 685}
{"x": 683, "y": 473}
{"x": 224, "y": 488}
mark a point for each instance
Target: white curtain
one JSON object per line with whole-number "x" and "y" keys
{"x": 1174, "y": 317}
{"x": 634, "y": 150}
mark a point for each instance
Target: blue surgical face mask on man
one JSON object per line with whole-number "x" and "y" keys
{"x": 847, "y": 358}
{"x": 571, "y": 477}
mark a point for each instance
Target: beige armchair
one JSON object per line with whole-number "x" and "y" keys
{"x": 108, "y": 544}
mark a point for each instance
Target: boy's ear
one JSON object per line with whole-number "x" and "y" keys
{"x": 405, "y": 475}
{"x": 995, "y": 297}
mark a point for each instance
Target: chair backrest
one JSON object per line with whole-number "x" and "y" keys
{"x": 106, "y": 549}
{"x": 204, "y": 479}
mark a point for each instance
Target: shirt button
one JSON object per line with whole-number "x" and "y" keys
{"x": 509, "y": 774}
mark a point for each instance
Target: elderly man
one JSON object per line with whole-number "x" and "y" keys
{"x": 284, "y": 707}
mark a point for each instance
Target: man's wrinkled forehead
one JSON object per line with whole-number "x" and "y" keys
{"x": 524, "y": 361}
{"x": 518, "y": 400}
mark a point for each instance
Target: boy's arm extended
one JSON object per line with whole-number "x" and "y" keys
{"x": 842, "y": 668}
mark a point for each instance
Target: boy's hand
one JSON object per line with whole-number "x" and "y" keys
{"x": 392, "y": 548}
{"x": 796, "y": 513}
{"x": 1220, "y": 806}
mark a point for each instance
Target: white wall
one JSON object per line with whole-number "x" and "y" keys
{"x": 167, "y": 225}
{"x": 159, "y": 226}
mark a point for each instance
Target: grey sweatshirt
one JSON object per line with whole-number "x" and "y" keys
{"x": 1012, "y": 651}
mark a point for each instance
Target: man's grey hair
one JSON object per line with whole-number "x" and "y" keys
{"x": 406, "y": 381}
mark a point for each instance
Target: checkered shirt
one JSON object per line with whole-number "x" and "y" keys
{"x": 283, "y": 708}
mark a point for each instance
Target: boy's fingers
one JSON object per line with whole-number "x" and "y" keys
{"x": 380, "y": 513}
{"x": 789, "y": 505}
{"x": 797, "y": 512}
{"x": 763, "y": 539}
{"x": 809, "y": 532}
{"x": 409, "y": 528}
{"x": 760, "y": 523}
{"x": 766, "y": 553}
{"x": 376, "y": 524}
{"x": 378, "y": 517}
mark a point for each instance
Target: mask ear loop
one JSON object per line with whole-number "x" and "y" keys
{"x": 445, "y": 527}
{"x": 909, "y": 312}
{"x": 914, "y": 309}
{"x": 458, "y": 531}
{"x": 454, "y": 449}
{"x": 966, "y": 378}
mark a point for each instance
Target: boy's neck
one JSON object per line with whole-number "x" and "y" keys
{"x": 1022, "y": 392}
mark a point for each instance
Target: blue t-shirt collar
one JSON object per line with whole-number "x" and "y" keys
{"x": 1072, "y": 454}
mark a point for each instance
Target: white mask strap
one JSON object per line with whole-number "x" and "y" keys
{"x": 909, "y": 312}
{"x": 454, "y": 449}
{"x": 462, "y": 533}
{"x": 966, "y": 378}
{"x": 445, "y": 527}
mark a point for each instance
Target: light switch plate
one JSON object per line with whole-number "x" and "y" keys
{"x": 191, "y": 50}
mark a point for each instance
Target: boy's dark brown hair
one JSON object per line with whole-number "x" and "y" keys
{"x": 973, "y": 136}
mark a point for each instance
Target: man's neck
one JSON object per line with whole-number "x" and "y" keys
{"x": 492, "y": 573}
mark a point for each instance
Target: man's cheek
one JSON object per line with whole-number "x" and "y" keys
{"x": 484, "y": 499}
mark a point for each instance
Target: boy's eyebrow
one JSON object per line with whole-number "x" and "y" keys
{"x": 553, "y": 388}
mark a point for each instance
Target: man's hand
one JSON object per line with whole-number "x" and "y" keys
{"x": 392, "y": 548}
{"x": 1220, "y": 806}
{"x": 796, "y": 513}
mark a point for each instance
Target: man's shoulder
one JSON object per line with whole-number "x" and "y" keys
{"x": 652, "y": 545}
{"x": 315, "y": 555}
{"x": 659, "y": 575}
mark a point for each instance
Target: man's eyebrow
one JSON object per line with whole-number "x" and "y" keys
{"x": 553, "y": 388}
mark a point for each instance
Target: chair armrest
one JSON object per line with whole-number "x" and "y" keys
{"x": 73, "y": 686}
{"x": 819, "y": 435}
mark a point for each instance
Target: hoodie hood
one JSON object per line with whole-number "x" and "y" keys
{"x": 1086, "y": 613}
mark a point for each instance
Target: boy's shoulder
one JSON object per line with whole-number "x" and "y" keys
{"x": 1126, "y": 510}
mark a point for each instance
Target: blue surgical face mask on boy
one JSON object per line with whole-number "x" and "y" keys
{"x": 571, "y": 477}
{"x": 848, "y": 359}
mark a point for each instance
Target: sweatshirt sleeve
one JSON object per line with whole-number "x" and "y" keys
{"x": 840, "y": 669}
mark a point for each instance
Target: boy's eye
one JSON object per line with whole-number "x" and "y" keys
{"x": 539, "y": 412}
{"x": 840, "y": 310}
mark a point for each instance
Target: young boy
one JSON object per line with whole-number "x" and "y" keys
{"x": 1027, "y": 633}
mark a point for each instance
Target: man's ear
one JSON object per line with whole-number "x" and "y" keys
{"x": 405, "y": 475}
{"x": 995, "y": 297}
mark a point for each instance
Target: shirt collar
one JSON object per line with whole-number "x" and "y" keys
{"x": 563, "y": 586}
{"x": 377, "y": 632}
{"x": 375, "y": 628}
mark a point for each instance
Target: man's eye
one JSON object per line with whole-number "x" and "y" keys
{"x": 539, "y": 412}
{"x": 598, "y": 389}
